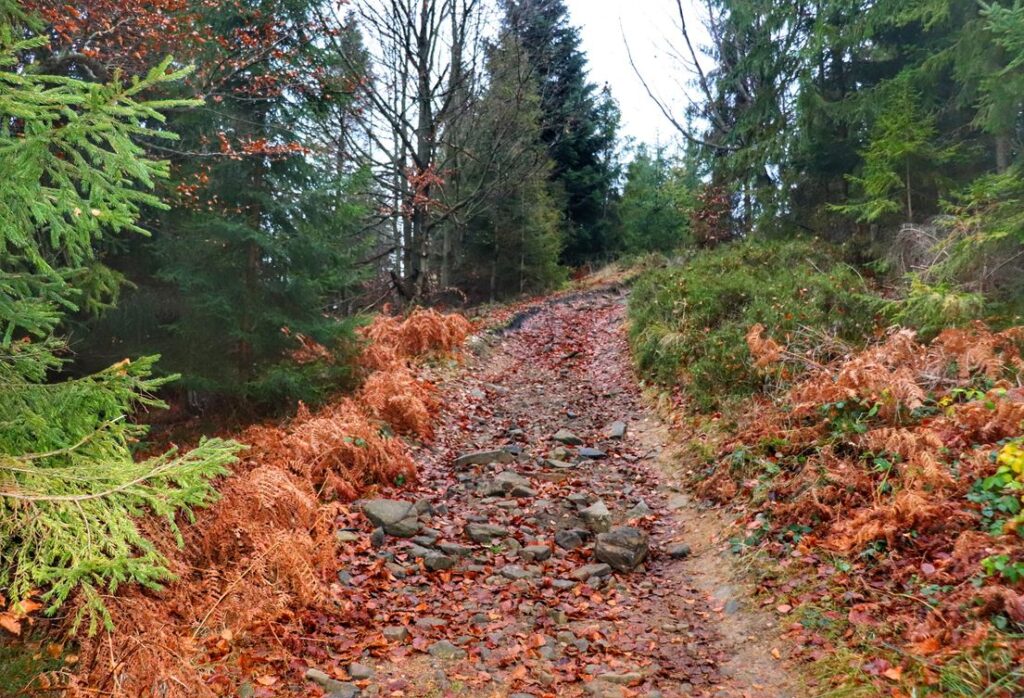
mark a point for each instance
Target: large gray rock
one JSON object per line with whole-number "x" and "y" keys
{"x": 396, "y": 517}
{"x": 333, "y": 687}
{"x": 485, "y": 533}
{"x": 617, "y": 430}
{"x": 484, "y": 458}
{"x": 624, "y": 548}
{"x": 597, "y": 517}
{"x": 443, "y": 649}
{"x": 505, "y": 483}
{"x": 588, "y": 453}
{"x": 564, "y": 436}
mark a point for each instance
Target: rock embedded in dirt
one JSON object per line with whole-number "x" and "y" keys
{"x": 568, "y": 539}
{"x": 597, "y": 517}
{"x": 579, "y": 499}
{"x": 505, "y": 483}
{"x": 617, "y": 431}
{"x": 677, "y": 502}
{"x": 564, "y": 436}
{"x": 536, "y": 553}
{"x": 639, "y": 510}
{"x": 347, "y": 536}
{"x": 584, "y": 573}
{"x": 624, "y": 548}
{"x": 396, "y": 633}
{"x": 396, "y": 517}
{"x": 500, "y": 455}
{"x": 443, "y": 649}
{"x": 333, "y": 687}
{"x": 678, "y": 551}
{"x": 514, "y": 572}
{"x": 360, "y": 672}
{"x": 560, "y": 453}
{"x": 603, "y": 689}
{"x": 436, "y": 562}
{"x": 624, "y": 679}
{"x": 587, "y": 453}
{"x": 455, "y": 550}
{"x": 485, "y": 533}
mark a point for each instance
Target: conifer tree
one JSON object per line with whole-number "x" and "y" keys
{"x": 657, "y": 200}
{"x": 264, "y": 241}
{"x": 901, "y": 162}
{"x": 515, "y": 236}
{"x": 70, "y": 487}
{"x": 579, "y": 125}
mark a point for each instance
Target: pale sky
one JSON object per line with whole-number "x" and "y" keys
{"x": 651, "y": 28}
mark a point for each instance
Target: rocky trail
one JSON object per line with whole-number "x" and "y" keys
{"x": 545, "y": 550}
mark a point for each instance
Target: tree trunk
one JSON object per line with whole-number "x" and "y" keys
{"x": 910, "y": 202}
{"x": 1003, "y": 154}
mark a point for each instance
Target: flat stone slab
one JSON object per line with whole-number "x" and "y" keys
{"x": 564, "y": 436}
{"x": 396, "y": 517}
{"x": 443, "y": 649}
{"x": 484, "y": 458}
{"x": 587, "y": 571}
{"x": 485, "y": 533}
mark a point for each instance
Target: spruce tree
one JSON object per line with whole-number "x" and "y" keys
{"x": 268, "y": 227}
{"x": 514, "y": 239}
{"x": 901, "y": 162}
{"x": 70, "y": 488}
{"x": 579, "y": 125}
{"x": 657, "y": 200}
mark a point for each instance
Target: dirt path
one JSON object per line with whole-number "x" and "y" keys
{"x": 518, "y": 612}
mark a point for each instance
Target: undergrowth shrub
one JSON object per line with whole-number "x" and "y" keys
{"x": 688, "y": 323}
{"x": 903, "y": 464}
{"x": 265, "y": 552}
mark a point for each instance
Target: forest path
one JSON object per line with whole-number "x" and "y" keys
{"x": 525, "y": 609}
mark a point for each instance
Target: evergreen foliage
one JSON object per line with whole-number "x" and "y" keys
{"x": 658, "y": 199}
{"x": 579, "y": 123}
{"x": 514, "y": 241}
{"x": 70, "y": 488}
{"x": 688, "y": 322}
{"x": 264, "y": 242}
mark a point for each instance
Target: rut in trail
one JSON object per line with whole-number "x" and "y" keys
{"x": 525, "y": 609}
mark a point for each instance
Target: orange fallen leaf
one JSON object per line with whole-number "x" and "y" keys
{"x": 925, "y": 647}
{"x": 8, "y": 623}
{"x": 893, "y": 673}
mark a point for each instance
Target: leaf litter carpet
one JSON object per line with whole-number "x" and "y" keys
{"x": 516, "y": 613}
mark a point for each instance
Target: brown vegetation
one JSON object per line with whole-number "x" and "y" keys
{"x": 252, "y": 563}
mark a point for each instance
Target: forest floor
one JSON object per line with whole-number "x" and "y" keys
{"x": 526, "y": 609}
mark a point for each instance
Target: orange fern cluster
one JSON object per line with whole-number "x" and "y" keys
{"x": 267, "y": 549}
{"x": 883, "y": 447}
{"x": 393, "y": 339}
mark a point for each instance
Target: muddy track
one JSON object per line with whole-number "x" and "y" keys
{"x": 522, "y": 614}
